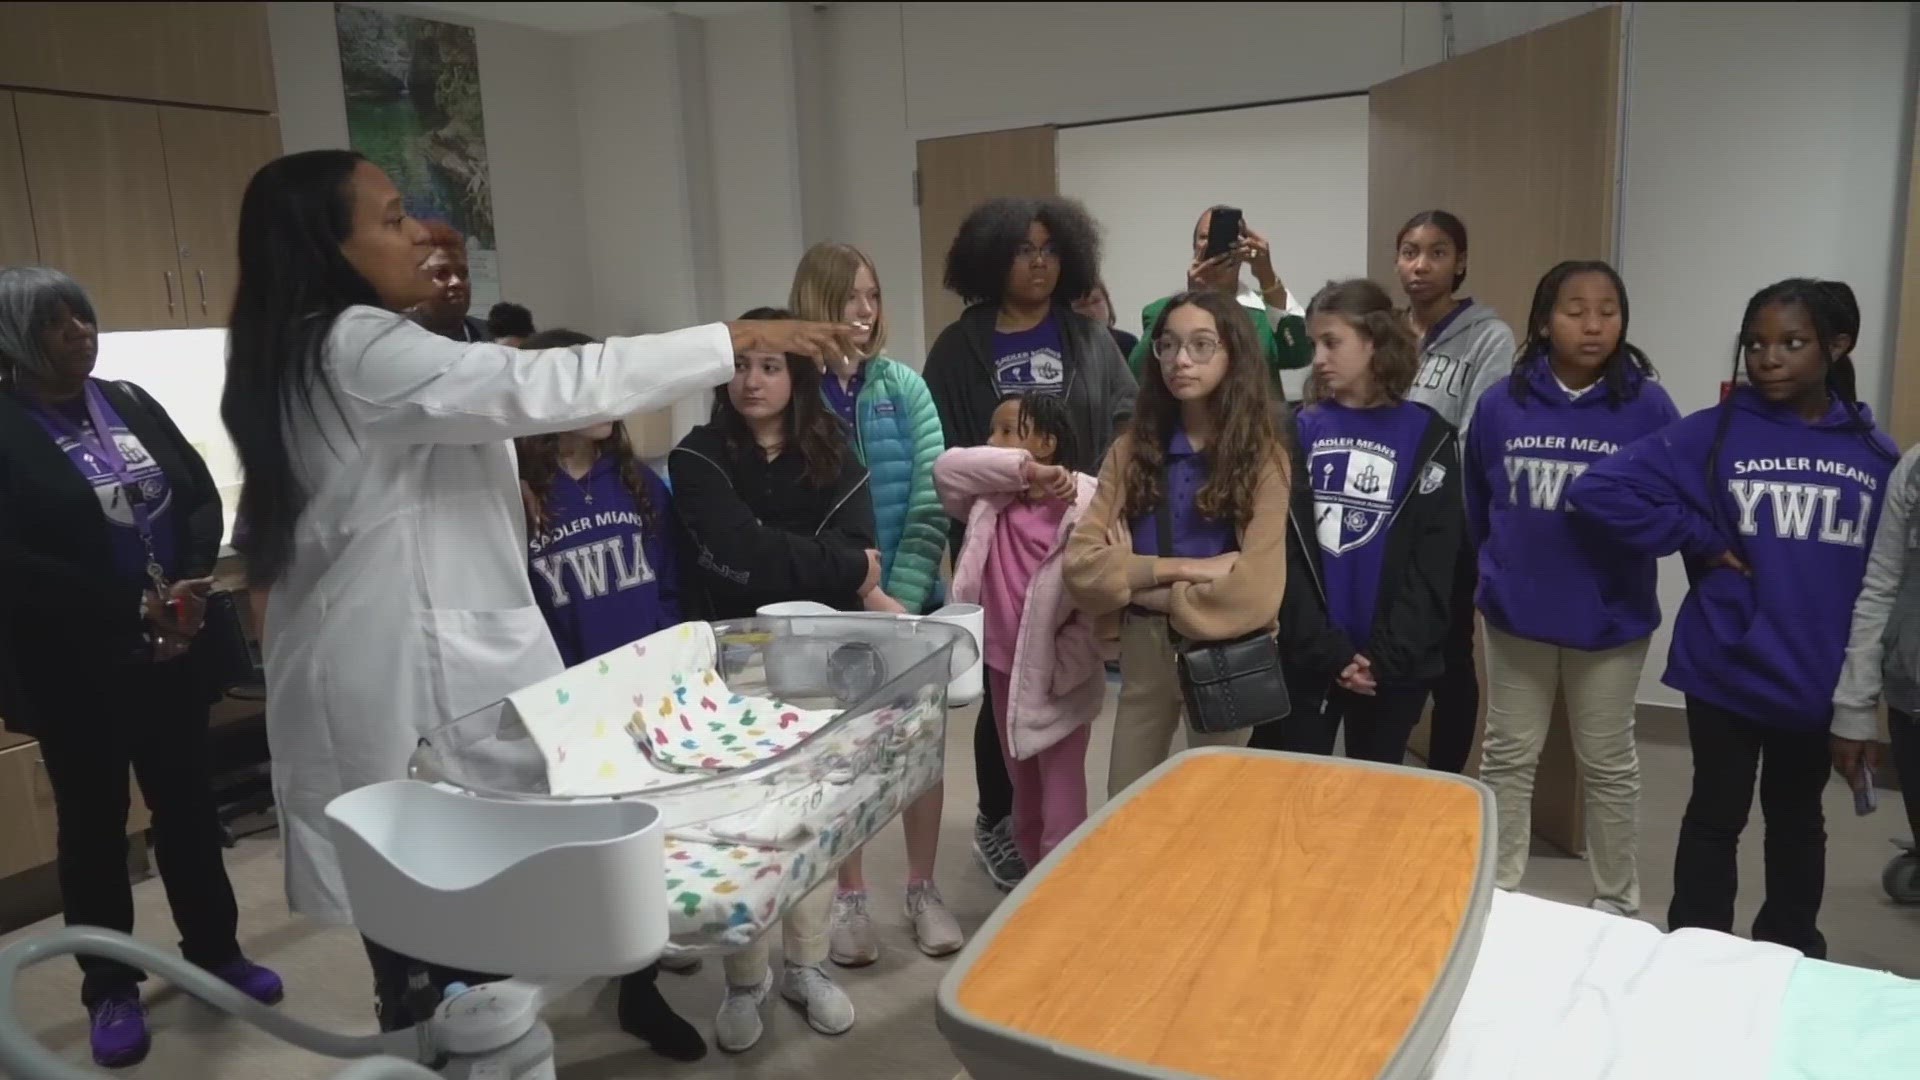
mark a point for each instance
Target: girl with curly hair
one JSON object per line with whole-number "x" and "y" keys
{"x": 1204, "y": 451}
{"x": 1020, "y": 263}
{"x": 1388, "y": 522}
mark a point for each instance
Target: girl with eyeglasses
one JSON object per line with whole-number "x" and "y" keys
{"x": 1387, "y": 524}
{"x": 1203, "y": 452}
{"x": 1019, "y": 263}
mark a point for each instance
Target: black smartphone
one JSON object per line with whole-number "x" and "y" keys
{"x": 1223, "y": 232}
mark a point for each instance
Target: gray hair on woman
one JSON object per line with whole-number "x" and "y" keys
{"x": 30, "y": 300}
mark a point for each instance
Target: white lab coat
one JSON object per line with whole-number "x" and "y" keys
{"x": 407, "y": 604}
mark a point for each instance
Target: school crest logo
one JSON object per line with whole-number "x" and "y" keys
{"x": 1352, "y": 494}
{"x": 1432, "y": 478}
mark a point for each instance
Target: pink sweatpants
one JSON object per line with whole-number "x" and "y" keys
{"x": 1049, "y": 789}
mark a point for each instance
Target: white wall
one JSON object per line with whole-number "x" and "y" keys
{"x": 1763, "y": 141}
{"x": 899, "y": 73}
{"x": 1299, "y": 171}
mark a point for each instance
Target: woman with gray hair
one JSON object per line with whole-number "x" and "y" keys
{"x": 109, "y": 526}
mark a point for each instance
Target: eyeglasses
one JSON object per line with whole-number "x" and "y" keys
{"x": 1167, "y": 349}
{"x": 1028, "y": 253}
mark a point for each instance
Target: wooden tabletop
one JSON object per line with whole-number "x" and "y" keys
{"x": 1245, "y": 917}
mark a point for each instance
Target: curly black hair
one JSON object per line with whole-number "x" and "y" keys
{"x": 989, "y": 240}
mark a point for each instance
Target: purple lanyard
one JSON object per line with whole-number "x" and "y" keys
{"x": 99, "y": 443}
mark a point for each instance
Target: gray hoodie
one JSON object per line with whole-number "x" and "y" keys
{"x": 1883, "y": 648}
{"x": 1471, "y": 353}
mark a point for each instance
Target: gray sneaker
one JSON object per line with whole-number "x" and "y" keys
{"x": 1001, "y": 858}
{"x": 852, "y": 943}
{"x": 738, "y": 1026}
{"x": 829, "y": 1010}
{"x": 934, "y": 928}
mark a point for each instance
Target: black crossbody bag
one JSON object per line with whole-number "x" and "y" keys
{"x": 1226, "y": 685}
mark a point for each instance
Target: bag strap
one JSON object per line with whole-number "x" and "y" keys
{"x": 1163, "y": 522}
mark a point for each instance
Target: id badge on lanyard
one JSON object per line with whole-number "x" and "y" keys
{"x": 99, "y": 444}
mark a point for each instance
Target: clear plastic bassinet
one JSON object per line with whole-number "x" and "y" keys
{"x": 744, "y": 844}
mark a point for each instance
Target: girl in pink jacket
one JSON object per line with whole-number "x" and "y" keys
{"x": 1021, "y": 496}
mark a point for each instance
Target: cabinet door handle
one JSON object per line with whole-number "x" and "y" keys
{"x": 203, "y": 290}
{"x": 168, "y": 275}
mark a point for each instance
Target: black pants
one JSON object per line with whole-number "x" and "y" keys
{"x": 391, "y": 971}
{"x": 1377, "y": 726}
{"x": 1728, "y": 750}
{"x": 1905, "y": 731}
{"x": 152, "y": 717}
{"x": 1456, "y": 695}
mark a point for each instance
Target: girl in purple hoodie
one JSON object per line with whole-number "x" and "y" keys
{"x": 600, "y": 553}
{"x": 1568, "y": 612}
{"x": 1773, "y": 496}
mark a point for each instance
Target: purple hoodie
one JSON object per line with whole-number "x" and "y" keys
{"x": 1798, "y": 503}
{"x": 601, "y": 576}
{"x": 1544, "y": 574}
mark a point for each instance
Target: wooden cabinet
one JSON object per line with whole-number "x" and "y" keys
{"x": 140, "y": 203}
{"x": 29, "y": 824}
{"x": 97, "y": 176}
{"x": 17, "y": 245}
{"x": 195, "y": 54}
{"x": 210, "y": 158}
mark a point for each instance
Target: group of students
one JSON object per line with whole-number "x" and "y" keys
{"x": 1095, "y": 509}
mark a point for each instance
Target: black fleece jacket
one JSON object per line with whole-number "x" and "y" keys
{"x": 760, "y": 532}
{"x": 1423, "y": 540}
{"x": 66, "y": 615}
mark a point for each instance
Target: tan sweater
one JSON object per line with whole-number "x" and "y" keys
{"x": 1102, "y": 575}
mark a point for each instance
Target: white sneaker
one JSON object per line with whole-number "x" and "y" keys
{"x": 829, "y": 1010}
{"x": 934, "y": 928}
{"x": 738, "y": 1026}
{"x": 852, "y": 942}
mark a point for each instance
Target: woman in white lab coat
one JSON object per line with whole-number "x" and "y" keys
{"x": 381, "y": 498}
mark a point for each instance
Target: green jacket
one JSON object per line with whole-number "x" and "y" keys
{"x": 1284, "y": 339}
{"x": 897, "y": 435}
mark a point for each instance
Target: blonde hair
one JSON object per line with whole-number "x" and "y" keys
{"x": 823, "y": 284}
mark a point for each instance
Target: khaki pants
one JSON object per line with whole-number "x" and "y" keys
{"x": 1149, "y": 709}
{"x": 1522, "y": 678}
{"x": 803, "y": 933}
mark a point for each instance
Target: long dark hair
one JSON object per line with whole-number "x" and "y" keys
{"x": 294, "y": 281}
{"x": 1843, "y": 313}
{"x": 540, "y": 454}
{"x": 1245, "y": 436}
{"x": 1624, "y": 370}
{"x": 811, "y": 426}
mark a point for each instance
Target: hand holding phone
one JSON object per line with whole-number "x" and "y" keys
{"x": 1865, "y": 799}
{"x": 1223, "y": 232}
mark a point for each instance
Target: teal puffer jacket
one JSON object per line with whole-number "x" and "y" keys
{"x": 897, "y": 434}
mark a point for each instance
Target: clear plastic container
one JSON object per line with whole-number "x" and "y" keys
{"x": 743, "y": 845}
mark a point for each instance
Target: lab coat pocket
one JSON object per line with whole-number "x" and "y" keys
{"x": 484, "y": 655}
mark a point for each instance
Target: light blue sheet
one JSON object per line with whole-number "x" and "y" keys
{"x": 1848, "y": 1023}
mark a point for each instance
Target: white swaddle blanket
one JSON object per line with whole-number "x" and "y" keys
{"x": 1565, "y": 993}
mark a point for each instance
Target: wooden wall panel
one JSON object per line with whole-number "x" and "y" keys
{"x": 17, "y": 244}
{"x": 1521, "y": 140}
{"x": 955, "y": 175}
